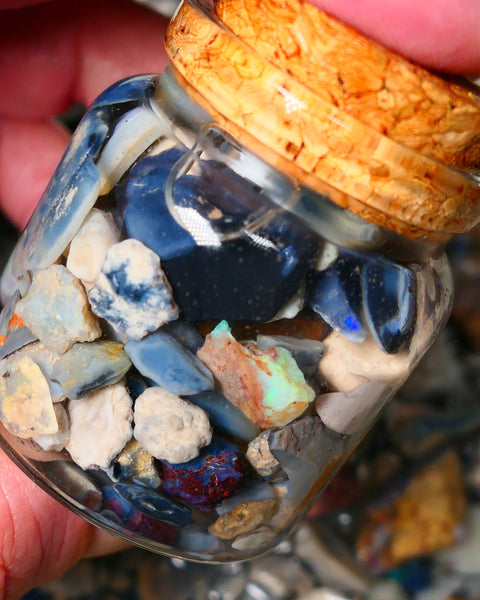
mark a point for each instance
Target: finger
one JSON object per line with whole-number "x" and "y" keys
{"x": 64, "y": 51}
{"x": 29, "y": 153}
{"x": 39, "y": 538}
{"x": 439, "y": 34}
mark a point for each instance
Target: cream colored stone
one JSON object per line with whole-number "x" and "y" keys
{"x": 170, "y": 428}
{"x": 89, "y": 246}
{"x": 100, "y": 426}
{"x": 346, "y": 364}
{"x": 26, "y": 406}
{"x": 55, "y": 441}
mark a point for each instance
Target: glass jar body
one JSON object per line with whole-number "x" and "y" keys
{"x": 194, "y": 342}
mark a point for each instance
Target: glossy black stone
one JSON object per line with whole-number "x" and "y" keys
{"x": 248, "y": 278}
{"x": 390, "y": 304}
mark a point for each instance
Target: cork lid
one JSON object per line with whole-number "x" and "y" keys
{"x": 379, "y": 135}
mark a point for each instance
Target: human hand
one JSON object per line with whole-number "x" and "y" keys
{"x": 52, "y": 55}
{"x": 69, "y": 50}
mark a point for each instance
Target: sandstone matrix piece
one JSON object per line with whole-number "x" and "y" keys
{"x": 170, "y": 428}
{"x": 100, "y": 426}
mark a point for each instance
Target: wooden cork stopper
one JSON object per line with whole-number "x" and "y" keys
{"x": 385, "y": 138}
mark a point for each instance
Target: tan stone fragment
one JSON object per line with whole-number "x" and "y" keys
{"x": 26, "y": 407}
{"x": 423, "y": 520}
{"x": 242, "y": 519}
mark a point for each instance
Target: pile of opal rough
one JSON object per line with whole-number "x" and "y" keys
{"x": 195, "y": 382}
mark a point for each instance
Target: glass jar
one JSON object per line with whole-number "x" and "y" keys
{"x": 227, "y": 278}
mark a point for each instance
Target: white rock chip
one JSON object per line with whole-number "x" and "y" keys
{"x": 26, "y": 406}
{"x": 352, "y": 411}
{"x": 170, "y": 428}
{"x": 56, "y": 309}
{"x": 132, "y": 292}
{"x": 100, "y": 426}
{"x": 89, "y": 246}
{"x": 55, "y": 441}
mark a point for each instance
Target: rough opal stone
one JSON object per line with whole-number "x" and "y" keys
{"x": 132, "y": 293}
{"x": 224, "y": 416}
{"x": 170, "y": 428}
{"x": 77, "y": 180}
{"x": 87, "y": 367}
{"x": 127, "y": 515}
{"x": 89, "y": 246}
{"x": 56, "y": 309}
{"x": 266, "y": 385}
{"x": 26, "y": 406}
{"x": 162, "y": 360}
{"x": 13, "y": 332}
{"x": 58, "y": 440}
{"x": 359, "y": 293}
{"x": 335, "y": 294}
{"x": 307, "y": 353}
{"x": 243, "y": 518}
{"x": 134, "y": 463}
{"x": 100, "y": 426}
{"x": 151, "y": 503}
{"x": 208, "y": 280}
{"x": 389, "y": 294}
{"x": 206, "y": 480}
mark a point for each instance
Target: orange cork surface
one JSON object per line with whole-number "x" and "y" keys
{"x": 380, "y": 142}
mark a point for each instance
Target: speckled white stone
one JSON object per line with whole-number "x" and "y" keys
{"x": 55, "y": 441}
{"x": 26, "y": 406}
{"x": 100, "y": 426}
{"x": 352, "y": 411}
{"x": 57, "y": 311}
{"x": 89, "y": 246}
{"x": 170, "y": 428}
{"x": 132, "y": 292}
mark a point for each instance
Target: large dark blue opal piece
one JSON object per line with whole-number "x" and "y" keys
{"x": 216, "y": 271}
{"x": 206, "y": 480}
{"x": 360, "y": 293}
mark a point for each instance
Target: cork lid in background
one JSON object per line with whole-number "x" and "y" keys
{"x": 379, "y": 135}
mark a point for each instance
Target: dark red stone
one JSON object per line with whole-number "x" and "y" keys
{"x": 206, "y": 480}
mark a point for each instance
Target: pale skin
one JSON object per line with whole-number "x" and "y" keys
{"x": 55, "y": 53}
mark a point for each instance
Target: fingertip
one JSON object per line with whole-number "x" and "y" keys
{"x": 29, "y": 154}
{"x": 440, "y": 34}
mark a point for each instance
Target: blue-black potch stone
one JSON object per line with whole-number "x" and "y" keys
{"x": 135, "y": 503}
{"x": 248, "y": 278}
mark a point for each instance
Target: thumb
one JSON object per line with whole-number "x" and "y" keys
{"x": 439, "y": 34}
{"x": 39, "y": 538}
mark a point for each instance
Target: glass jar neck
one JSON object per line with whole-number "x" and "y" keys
{"x": 198, "y": 130}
